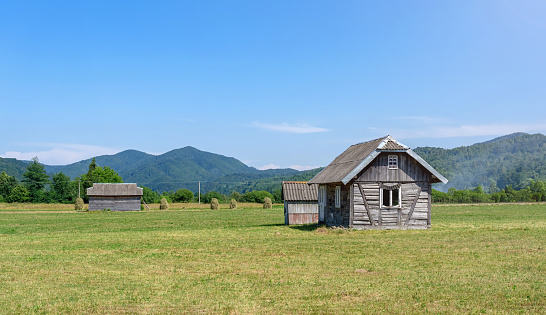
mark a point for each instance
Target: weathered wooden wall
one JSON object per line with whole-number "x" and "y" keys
{"x": 115, "y": 203}
{"x": 409, "y": 170}
{"x": 414, "y": 213}
{"x": 300, "y": 212}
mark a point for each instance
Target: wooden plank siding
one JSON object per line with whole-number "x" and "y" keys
{"x": 119, "y": 203}
{"x": 414, "y": 212}
{"x": 300, "y": 212}
{"x": 409, "y": 170}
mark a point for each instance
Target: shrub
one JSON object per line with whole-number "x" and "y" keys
{"x": 163, "y": 205}
{"x": 207, "y": 198}
{"x": 149, "y": 196}
{"x": 214, "y": 204}
{"x": 18, "y": 194}
{"x": 183, "y": 195}
{"x": 267, "y": 203}
{"x": 233, "y": 204}
{"x": 255, "y": 196}
{"x": 78, "y": 205}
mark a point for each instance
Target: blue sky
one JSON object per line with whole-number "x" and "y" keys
{"x": 271, "y": 83}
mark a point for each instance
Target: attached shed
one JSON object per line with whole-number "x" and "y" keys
{"x": 300, "y": 203}
{"x": 380, "y": 184}
{"x": 116, "y": 197}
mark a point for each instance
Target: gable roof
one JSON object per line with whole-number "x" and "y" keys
{"x": 349, "y": 163}
{"x": 125, "y": 189}
{"x": 299, "y": 191}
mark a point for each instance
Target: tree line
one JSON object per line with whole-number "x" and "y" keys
{"x": 186, "y": 195}
{"x": 534, "y": 192}
{"x": 38, "y": 187}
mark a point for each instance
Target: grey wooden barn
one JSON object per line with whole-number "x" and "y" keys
{"x": 116, "y": 197}
{"x": 380, "y": 184}
{"x": 300, "y": 202}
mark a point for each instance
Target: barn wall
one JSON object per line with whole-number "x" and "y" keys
{"x": 409, "y": 170}
{"x": 337, "y": 216}
{"x": 114, "y": 203}
{"x": 301, "y": 212}
{"x": 415, "y": 196}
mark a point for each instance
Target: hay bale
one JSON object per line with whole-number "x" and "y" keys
{"x": 163, "y": 205}
{"x": 214, "y": 204}
{"x": 233, "y": 204}
{"x": 78, "y": 205}
{"x": 267, "y": 203}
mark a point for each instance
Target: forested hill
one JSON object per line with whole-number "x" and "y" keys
{"x": 509, "y": 160}
{"x": 176, "y": 169}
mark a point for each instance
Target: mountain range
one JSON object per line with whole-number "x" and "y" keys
{"x": 509, "y": 160}
{"x": 181, "y": 168}
{"x": 513, "y": 160}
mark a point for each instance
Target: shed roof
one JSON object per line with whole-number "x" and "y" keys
{"x": 299, "y": 191}
{"x": 124, "y": 189}
{"x": 349, "y": 163}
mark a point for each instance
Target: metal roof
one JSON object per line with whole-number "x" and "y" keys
{"x": 299, "y": 191}
{"x": 351, "y": 162}
{"x": 125, "y": 189}
{"x": 347, "y": 161}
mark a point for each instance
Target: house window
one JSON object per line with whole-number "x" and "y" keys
{"x": 393, "y": 162}
{"x": 390, "y": 198}
{"x": 338, "y": 196}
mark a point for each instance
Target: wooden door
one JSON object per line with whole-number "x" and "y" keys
{"x": 321, "y": 202}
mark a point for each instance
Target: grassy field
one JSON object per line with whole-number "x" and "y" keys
{"x": 475, "y": 259}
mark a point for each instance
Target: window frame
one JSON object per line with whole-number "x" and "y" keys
{"x": 394, "y": 159}
{"x": 338, "y": 197}
{"x": 390, "y": 192}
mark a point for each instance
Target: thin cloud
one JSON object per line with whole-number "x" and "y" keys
{"x": 269, "y": 167}
{"x": 60, "y": 153}
{"x": 284, "y": 127}
{"x": 303, "y": 167}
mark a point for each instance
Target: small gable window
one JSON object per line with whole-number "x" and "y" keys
{"x": 393, "y": 162}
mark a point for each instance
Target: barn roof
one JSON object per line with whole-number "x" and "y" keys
{"x": 349, "y": 163}
{"x": 299, "y": 191}
{"x": 125, "y": 189}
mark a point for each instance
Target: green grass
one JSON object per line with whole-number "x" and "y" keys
{"x": 475, "y": 259}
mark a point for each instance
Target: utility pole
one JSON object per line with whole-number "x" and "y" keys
{"x": 79, "y": 183}
{"x": 199, "y": 192}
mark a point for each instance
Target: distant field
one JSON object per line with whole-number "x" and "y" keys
{"x": 70, "y": 207}
{"x": 475, "y": 259}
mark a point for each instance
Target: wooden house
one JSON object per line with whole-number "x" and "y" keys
{"x": 380, "y": 184}
{"x": 300, "y": 203}
{"x": 116, "y": 197}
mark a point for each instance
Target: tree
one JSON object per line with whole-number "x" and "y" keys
{"x": 236, "y": 196}
{"x": 183, "y": 195}
{"x": 207, "y": 198}
{"x": 106, "y": 175}
{"x": 35, "y": 179}
{"x": 277, "y": 196}
{"x": 62, "y": 188}
{"x": 7, "y": 183}
{"x": 149, "y": 196}
{"x": 97, "y": 174}
{"x": 18, "y": 194}
{"x": 255, "y": 196}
